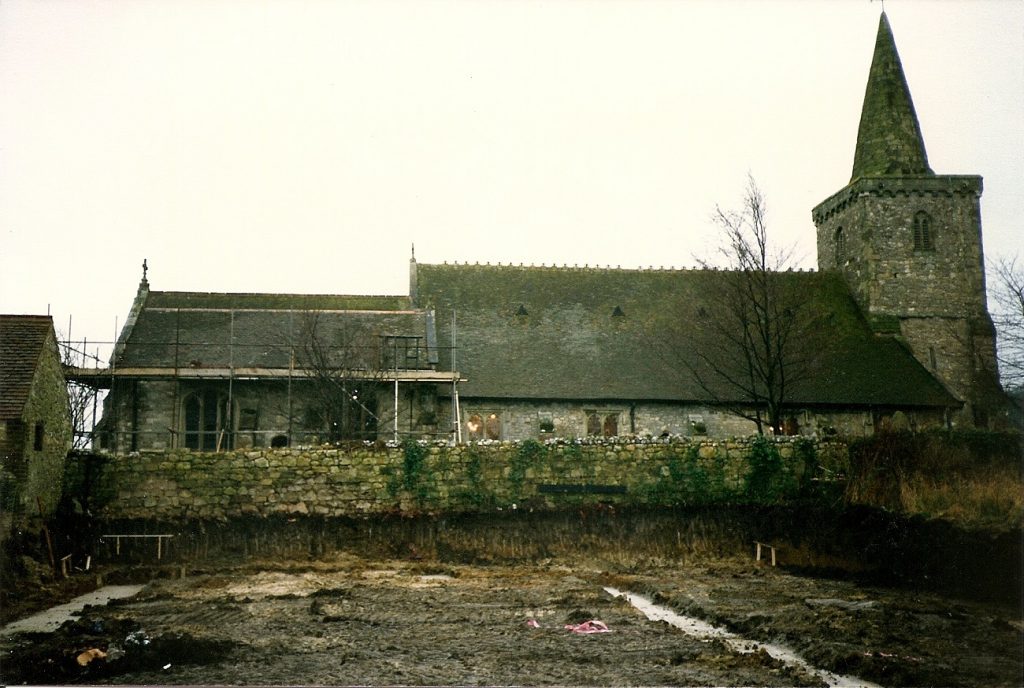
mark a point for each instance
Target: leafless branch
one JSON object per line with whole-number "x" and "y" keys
{"x": 1006, "y": 292}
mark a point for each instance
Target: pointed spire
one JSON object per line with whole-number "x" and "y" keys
{"x": 889, "y": 140}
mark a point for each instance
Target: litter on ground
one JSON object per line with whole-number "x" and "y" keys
{"x": 592, "y": 626}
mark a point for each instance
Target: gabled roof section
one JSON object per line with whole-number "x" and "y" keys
{"x": 22, "y": 338}
{"x": 552, "y": 333}
{"x": 889, "y": 141}
{"x": 221, "y": 330}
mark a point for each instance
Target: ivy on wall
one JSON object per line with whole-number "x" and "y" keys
{"x": 415, "y": 476}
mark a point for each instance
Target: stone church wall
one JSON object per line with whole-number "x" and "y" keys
{"x": 541, "y": 420}
{"x": 148, "y": 414}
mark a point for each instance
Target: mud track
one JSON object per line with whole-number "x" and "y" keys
{"x": 345, "y": 620}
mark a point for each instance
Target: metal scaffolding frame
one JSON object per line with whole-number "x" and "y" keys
{"x": 87, "y": 371}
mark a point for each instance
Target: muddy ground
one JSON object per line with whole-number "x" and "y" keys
{"x": 346, "y": 619}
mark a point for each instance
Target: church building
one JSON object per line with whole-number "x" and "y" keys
{"x": 891, "y": 331}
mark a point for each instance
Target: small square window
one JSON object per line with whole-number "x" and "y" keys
{"x": 247, "y": 419}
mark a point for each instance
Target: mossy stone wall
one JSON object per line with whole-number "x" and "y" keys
{"x": 422, "y": 477}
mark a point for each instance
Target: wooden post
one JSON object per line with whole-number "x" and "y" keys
{"x": 46, "y": 533}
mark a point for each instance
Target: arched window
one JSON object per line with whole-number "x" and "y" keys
{"x": 493, "y": 426}
{"x": 924, "y": 240}
{"x": 484, "y": 428}
{"x": 840, "y": 246}
{"x": 207, "y": 422}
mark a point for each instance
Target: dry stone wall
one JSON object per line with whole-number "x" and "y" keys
{"x": 422, "y": 477}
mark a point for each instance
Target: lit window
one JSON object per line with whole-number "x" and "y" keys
{"x": 487, "y": 427}
{"x": 493, "y": 426}
{"x": 475, "y": 427}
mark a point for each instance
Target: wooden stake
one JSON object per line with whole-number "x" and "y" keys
{"x": 46, "y": 533}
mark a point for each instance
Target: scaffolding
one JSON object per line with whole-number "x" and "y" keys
{"x": 395, "y": 359}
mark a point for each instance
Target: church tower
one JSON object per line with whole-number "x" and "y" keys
{"x": 908, "y": 242}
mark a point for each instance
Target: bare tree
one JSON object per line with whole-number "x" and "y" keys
{"x": 343, "y": 368}
{"x": 753, "y": 348}
{"x": 83, "y": 399}
{"x": 1007, "y": 306}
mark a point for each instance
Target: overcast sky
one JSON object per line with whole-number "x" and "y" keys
{"x": 302, "y": 146}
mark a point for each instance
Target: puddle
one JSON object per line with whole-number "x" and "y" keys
{"x": 51, "y": 619}
{"x": 703, "y": 630}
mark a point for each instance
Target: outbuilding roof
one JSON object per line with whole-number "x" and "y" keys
{"x": 22, "y": 338}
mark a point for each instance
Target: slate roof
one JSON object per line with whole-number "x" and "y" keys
{"x": 22, "y": 338}
{"x": 889, "y": 140}
{"x": 215, "y": 330}
{"x": 611, "y": 334}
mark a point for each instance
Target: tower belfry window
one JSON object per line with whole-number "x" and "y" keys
{"x": 840, "y": 245}
{"x": 924, "y": 240}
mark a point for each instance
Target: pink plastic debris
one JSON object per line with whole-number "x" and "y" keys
{"x": 532, "y": 623}
{"x": 592, "y": 626}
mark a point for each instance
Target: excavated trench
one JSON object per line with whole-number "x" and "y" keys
{"x": 486, "y": 600}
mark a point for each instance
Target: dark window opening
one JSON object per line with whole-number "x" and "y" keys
{"x": 618, "y": 313}
{"x": 602, "y": 425}
{"x": 522, "y": 310}
{"x": 247, "y": 419}
{"x": 207, "y": 422}
{"x": 611, "y": 426}
{"x": 791, "y": 426}
{"x": 840, "y": 245}
{"x": 279, "y": 441}
{"x": 37, "y": 441}
{"x": 923, "y": 238}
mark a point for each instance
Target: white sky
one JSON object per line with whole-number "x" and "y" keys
{"x": 301, "y": 146}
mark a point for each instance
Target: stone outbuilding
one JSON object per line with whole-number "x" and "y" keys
{"x": 35, "y": 419}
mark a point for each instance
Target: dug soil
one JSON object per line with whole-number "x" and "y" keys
{"x": 345, "y": 619}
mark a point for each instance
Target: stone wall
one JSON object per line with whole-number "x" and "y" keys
{"x": 433, "y": 477}
{"x": 520, "y": 420}
{"x": 33, "y": 447}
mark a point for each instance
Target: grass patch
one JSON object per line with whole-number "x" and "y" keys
{"x": 972, "y": 479}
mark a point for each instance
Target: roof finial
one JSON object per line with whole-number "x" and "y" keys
{"x": 145, "y": 270}
{"x": 413, "y": 258}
